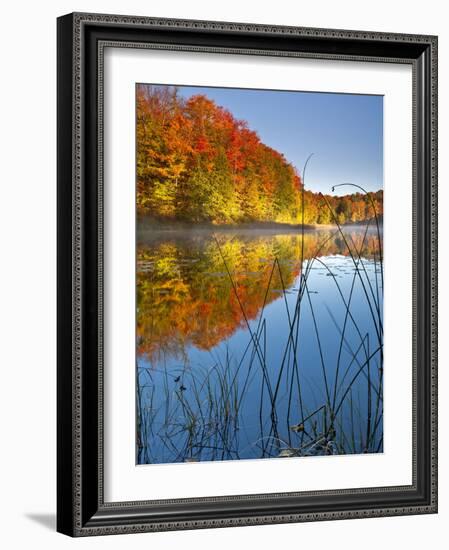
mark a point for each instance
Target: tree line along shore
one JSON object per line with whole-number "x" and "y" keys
{"x": 197, "y": 163}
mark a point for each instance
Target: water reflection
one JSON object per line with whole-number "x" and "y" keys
{"x": 186, "y": 297}
{"x": 241, "y": 354}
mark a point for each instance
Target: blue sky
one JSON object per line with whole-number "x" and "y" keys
{"x": 343, "y": 131}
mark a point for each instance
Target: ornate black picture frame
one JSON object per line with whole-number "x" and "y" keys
{"x": 81, "y": 509}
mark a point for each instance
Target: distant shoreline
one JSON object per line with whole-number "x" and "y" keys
{"x": 146, "y": 224}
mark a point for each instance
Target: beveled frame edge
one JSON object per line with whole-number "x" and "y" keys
{"x": 71, "y": 257}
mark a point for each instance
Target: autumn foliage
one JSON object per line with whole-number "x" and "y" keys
{"x": 197, "y": 163}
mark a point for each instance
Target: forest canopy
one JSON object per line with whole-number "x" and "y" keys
{"x": 197, "y": 163}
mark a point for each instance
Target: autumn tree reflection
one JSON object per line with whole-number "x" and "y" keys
{"x": 186, "y": 297}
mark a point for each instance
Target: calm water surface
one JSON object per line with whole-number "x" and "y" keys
{"x": 256, "y": 344}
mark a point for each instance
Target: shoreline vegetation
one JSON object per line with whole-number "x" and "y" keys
{"x": 197, "y": 163}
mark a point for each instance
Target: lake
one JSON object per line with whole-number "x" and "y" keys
{"x": 258, "y": 343}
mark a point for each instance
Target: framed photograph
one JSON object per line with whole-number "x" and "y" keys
{"x": 247, "y": 279}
